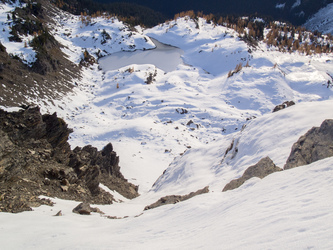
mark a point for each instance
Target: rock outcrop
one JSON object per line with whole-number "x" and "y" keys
{"x": 85, "y": 209}
{"x": 315, "y": 145}
{"x": 36, "y": 159}
{"x": 284, "y": 105}
{"x": 263, "y": 168}
{"x": 173, "y": 199}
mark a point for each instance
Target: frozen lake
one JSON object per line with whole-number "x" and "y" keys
{"x": 164, "y": 57}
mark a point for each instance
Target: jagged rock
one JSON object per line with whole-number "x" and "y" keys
{"x": 126, "y": 189}
{"x": 173, "y": 199}
{"x": 64, "y": 188}
{"x": 85, "y": 209}
{"x": 88, "y": 155}
{"x": 315, "y": 145}
{"x": 284, "y": 105}
{"x": 107, "y": 171}
{"x": 92, "y": 179}
{"x": 57, "y": 133}
{"x": 58, "y": 214}
{"x": 36, "y": 159}
{"x": 263, "y": 168}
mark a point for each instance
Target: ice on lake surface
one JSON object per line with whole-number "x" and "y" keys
{"x": 164, "y": 57}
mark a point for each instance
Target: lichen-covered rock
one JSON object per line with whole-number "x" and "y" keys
{"x": 316, "y": 144}
{"x": 263, "y": 168}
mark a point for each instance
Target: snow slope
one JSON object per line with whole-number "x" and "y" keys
{"x": 99, "y": 36}
{"x": 290, "y": 210}
{"x": 270, "y": 135}
{"x": 322, "y": 20}
{"x": 183, "y": 123}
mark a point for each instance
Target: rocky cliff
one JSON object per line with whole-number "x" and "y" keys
{"x": 36, "y": 159}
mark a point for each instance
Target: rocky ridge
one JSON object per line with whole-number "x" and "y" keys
{"x": 36, "y": 159}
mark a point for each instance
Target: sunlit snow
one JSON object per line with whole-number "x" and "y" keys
{"x": 181, "y": 125}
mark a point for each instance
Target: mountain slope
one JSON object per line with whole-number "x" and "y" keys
{"x": 190, "y": 127}
{"x": 290, "y": 209}
{"x": 322, "y": 20}
{"x": 270, "y": 135}
{"x": 33, "y": 66}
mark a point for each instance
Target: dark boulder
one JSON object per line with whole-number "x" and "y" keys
{"x": 263, "y": 168}
{"x": 315, "y": 145}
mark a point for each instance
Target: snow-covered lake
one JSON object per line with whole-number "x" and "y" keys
{"x": 164, "y": 57}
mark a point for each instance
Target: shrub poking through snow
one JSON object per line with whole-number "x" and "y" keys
{"x": 106, "y": 36}
{"x": 130, "y": 70}
{"x": 236, "y": 70}
{"x": 151, "y": 78}
{"x": 87, "y": 59}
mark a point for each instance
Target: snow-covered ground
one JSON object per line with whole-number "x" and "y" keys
{"x": 183, "y": 123}
{"x": 289, "y": 210}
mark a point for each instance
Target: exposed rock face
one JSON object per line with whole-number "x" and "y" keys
{"x": 173, "y": 199}
{"x": 36, "y": 159}
{"x": 106, "y": 172}
{"x": 263, "y": 168}
{"x": 315, "y": 145}
{"x": 283, "y": 106}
